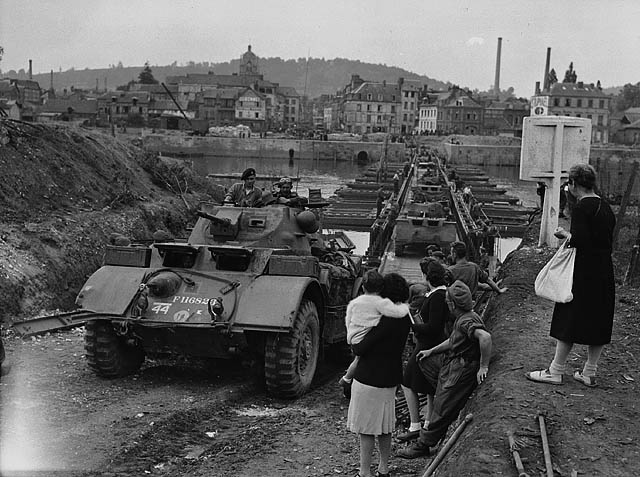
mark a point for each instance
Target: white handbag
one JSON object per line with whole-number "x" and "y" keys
{"x": 555, "y": 280}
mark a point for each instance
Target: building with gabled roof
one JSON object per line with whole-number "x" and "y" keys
{"x": 120, "y": 106}
{"x": 504, "y": 118}
{"x": 578, "y": 99}
{"x": 369, "y": 106}
{"x": 218, "y": 106}
{"x": 288, "y": 105}
{"x": 428, "y": 111}
{"x": 23, "y": 91}
{"x": 409, "y": 107}
{"x": 451, "y": 112}
{"x": 63, "y": 109}
{"x": 625, "y": 126}
{"x": 250, "y": 108}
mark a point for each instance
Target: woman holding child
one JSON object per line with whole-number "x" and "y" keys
{"x": 376, "y": 377}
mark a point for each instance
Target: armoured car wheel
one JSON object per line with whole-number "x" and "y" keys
{"x": 291, "y": 359}
{"x": 108, "y": 354}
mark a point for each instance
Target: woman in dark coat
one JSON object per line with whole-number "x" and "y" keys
{"x": 379, "y": 371}
{"x": 429, "y": 331}
{"x": 588, "y": 318}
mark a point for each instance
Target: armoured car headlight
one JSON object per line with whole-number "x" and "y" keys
{"x": 143, "y": 302}
{"x": 216, "y": 308}
{"x": 163, "y": 285}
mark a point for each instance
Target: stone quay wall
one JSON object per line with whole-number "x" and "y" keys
{"x": 612, "y": 163}
{"x": 364, "y": 152}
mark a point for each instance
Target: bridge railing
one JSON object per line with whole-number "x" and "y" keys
{"x": 382, "y": 229}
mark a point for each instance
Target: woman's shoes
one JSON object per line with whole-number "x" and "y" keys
{"x": 589, "y": 381}
{"x": 408, "y": 436}
{"x": 544, "y": 376}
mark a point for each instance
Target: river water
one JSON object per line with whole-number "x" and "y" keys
{"x": 329, "y": 176}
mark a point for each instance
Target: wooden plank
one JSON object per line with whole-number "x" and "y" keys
{"x": 624, "y": 203}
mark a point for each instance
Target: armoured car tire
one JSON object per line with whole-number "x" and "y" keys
{"x": 107, "y": 353}
{"x": 291, "y": 359}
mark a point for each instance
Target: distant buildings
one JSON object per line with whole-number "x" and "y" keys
{"x": 192, "y": 101}
{"x": 625, "y": 127}
{"x": 123, "y": 106}
{"x": 203, "y": 100}
{"x": 368, "y": 107}
{"x": 576, "y": 99}
{"x": 254, "y": 101}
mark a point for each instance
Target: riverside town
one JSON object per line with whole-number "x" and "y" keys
{"x": 318, "y": 268}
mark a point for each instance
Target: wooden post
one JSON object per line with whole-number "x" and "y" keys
{"x": 633, "y": 261}
{"x": 448, "y": 445}
{"x": 625, "y": 202}
{"x": 545, "y": 446}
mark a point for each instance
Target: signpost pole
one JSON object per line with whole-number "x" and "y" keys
{"x": 550, "y": 146}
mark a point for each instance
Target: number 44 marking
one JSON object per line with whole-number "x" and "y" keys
{"x": 161, "y": 308}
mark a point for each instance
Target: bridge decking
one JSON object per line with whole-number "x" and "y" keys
{"x": 408, "y": 266}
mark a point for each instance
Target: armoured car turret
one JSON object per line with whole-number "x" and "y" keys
{"x": 259, "y": 281}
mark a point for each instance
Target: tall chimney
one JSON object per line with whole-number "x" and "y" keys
{"x": 545, "y": 81}
{"x": 51, "y": 82}
{"x": 30, "y": 70}
{"x": 497, "y": 82}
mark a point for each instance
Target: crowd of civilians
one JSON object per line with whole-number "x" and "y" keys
{"x": 452, "y": 345}
{"x": 450, "y": 357}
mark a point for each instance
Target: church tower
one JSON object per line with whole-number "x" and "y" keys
{"x": 249, "y": 63}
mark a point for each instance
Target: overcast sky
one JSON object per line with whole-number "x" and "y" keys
{"x": 450, "y": 40}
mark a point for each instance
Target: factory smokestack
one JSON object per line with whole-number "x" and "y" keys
{"x": 496, "y": 86}
{"x": 545, "y": 81}
{"x": 51, "y": 85}
{"x": 30, "y": 69}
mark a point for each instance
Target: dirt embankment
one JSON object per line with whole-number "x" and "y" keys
{"x": 591, "y": 430}
{"x": 64, "y": 190}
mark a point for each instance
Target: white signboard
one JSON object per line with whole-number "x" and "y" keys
{"x": 550, "y": 146}
{"x": 539, "y": 105}
{"x": 553, "y": 143}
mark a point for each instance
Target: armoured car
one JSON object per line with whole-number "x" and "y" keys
{"x": 261, "y": 282}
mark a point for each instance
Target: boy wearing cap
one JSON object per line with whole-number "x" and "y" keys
{"x": 465, "y": 365}
{"x": 245, "y": 193}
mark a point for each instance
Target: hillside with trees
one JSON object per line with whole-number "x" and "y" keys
{"x": 315, "y": 77}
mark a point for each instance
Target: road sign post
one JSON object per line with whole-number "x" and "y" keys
{"x": 550, "y": 146}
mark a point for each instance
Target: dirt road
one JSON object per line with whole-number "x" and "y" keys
{"x": 192, "y": 418}
{"x": 173, "y": 418}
